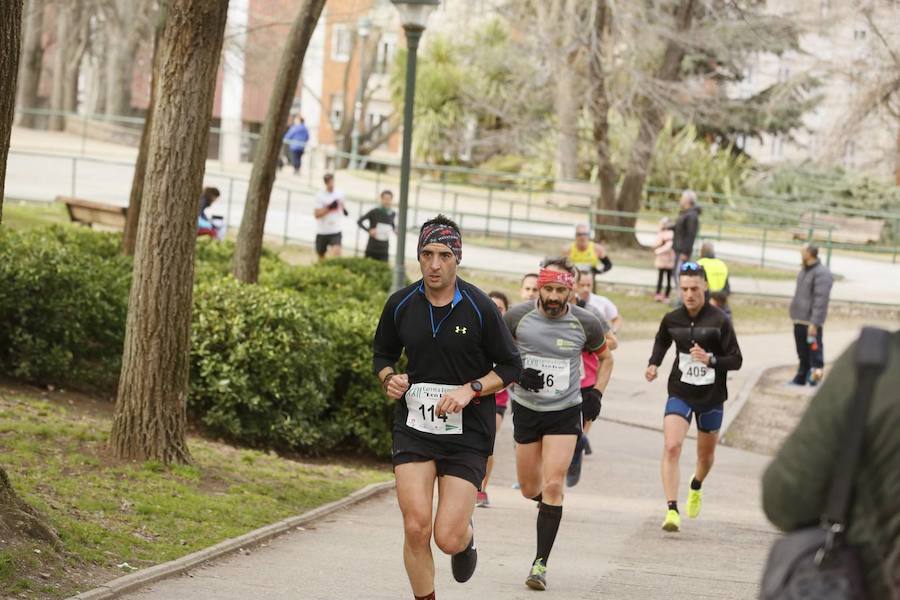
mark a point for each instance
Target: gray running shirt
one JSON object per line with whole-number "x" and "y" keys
{"x": 553, "y": 346}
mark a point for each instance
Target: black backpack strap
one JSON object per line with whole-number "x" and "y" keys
{"x": 871, "y": 359}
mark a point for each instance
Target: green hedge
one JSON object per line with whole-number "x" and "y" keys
{"x": 285, "y": 364}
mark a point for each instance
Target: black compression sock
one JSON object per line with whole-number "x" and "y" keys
{"x": 695, "y": 485}
{"x": 539, "y": 498}
{"x": 673, "y": 505}
{"x": 549, "y": 517}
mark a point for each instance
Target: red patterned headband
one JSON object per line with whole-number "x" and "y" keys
{"x": 553, "y": 276}
{"x": 438, "y": 233}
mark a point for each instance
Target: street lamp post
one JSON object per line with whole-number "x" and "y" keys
{"x": 414, "y": 15}
{"x": 363, "y": 27}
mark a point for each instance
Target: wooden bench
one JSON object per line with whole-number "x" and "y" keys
{"x": 90, "y": 213}
{"x": 845, "y": 230}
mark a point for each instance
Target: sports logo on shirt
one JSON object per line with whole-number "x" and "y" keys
{"x": 461, "y": 330}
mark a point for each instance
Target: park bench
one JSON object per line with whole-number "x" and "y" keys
{"x": 91, "y": 213}
{"x": 844, "y": 230}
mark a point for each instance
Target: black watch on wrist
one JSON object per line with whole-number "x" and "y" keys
{"x": 476, "y": 387}
{"x": 712, "y": 360}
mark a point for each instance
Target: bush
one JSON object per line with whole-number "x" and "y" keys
{"x": 286, "y": 364}
{"x": 261, "y": 373}
{"x": 63, "y": 304}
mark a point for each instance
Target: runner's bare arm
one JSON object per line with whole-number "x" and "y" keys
{"x": 612, "y": 342}
{"x": 394, "y": 384}
{"x": 604, "y": 368}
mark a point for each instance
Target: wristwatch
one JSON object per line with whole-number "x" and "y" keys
{"x": 712, "y": 360}
{"x": 476, "y": 387}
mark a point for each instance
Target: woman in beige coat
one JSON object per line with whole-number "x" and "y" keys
{"x": 665, "y": 258}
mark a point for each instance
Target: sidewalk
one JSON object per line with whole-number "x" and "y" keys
{"x": 609, "y": 545}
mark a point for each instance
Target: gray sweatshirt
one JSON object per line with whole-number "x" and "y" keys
{"x": 810, "y": 303}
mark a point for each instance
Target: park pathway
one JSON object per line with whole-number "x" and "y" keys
{"x": 609, "y": 545}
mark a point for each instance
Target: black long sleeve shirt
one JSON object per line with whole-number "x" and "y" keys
{"x": 711, "y": 329}
{"x": 376, "y": 216}
{"x": 452, "y": 345}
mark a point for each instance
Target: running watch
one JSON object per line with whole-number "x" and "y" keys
{"x": 476, "y": 387}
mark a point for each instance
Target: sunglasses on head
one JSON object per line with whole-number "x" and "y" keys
{"x": 691, "y": 267}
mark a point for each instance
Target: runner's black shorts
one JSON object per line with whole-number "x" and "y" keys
{"x": 501, "y": 410}
{"x": 590, "y": 406}
{"x": 531, "y": 425}
{"x": 470, "y": 466}
{"x": 324, "y": 240}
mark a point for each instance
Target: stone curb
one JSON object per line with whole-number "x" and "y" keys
{"x": 145, "y": 577}
{"x": 738, "y": 405}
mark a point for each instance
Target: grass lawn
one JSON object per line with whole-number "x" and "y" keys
{"x": 115, "y": 516}
{"x": 19, "y": 214}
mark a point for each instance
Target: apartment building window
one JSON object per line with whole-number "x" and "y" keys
{"x": 859, "y": 34}
{"x": 341, "y": 43}
{"x": 336, "y": 111}
{"x": 375, "y": 122}
{"x": 387, "y": 48}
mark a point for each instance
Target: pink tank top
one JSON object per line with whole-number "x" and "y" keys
{"x": 589, "y": 365}
{"x": 502, "y": 396}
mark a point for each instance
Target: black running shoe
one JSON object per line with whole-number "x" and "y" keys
{"x": 463, "y": 563}
{"x": 573, "y": 476}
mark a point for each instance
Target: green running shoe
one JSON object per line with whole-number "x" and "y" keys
{"x": 673, "y": 521}
{"x": 537, "y": 579}
{"x": 694, "y": 502}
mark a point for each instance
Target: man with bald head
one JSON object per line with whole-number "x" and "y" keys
{"x": 586, "y": 255}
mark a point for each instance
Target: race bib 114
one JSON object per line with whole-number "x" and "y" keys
{"x": 421, "y": 405}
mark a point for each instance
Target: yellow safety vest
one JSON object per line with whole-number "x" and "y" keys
{"x": 586, "y": 258}
{"x": 716, "y": 273}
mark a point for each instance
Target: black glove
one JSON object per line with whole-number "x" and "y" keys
{"x": 591, "y": 399}
{"x": 531, "y": 379}
{"x": 333, "y": 205}
{"x": 346, "y": 212}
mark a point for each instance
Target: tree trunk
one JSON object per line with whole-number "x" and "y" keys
{"x": 64, "y": 27}
{"x": 651, "y": 119}
{"x": 567, "y": 96}
{"x": 897, "y": 158}
{"x": 129, "y": 239}
{"x": 250, "y": 234}
{"x": 32, "y": 59}
{"x": 16, "y": 517}
{"x": 150, "y": 416}
{"x": 10, "y": 47}
{"x": 600, "y": 106}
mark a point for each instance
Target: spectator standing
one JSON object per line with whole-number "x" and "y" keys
{"x": 686, "y": 228}
{"x": 379, "y": 224}
{"x": 665, "y": 258}
{"x": 329, "y": 212}
{"x": 808, "y": 311}
{"x": 296, "y": 139}
{"x": 797, "y": 482}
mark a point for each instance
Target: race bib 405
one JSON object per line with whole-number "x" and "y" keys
{"x": 694, "y": 372}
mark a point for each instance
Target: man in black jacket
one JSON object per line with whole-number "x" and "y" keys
{"x": 809, "y": 307}
{"x": 459, "y": 354}
{"x": 707, "y": 349}
{"x": 685, "y": 231}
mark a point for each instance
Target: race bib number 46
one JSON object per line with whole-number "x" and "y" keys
{"x": 556, "y": 372}
{"x": 694, "y": 372}
{"x": 421, "y": 404}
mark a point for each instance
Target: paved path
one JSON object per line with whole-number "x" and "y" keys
{"x": 43, "y": 177}
{"x": 609, "y": 545}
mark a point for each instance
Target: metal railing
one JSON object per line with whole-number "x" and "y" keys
{"x": 501, "y": 217}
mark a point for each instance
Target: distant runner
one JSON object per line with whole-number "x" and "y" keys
{"x": 459, "y": 354}
{"x": 551, "y": 334}
{"x": 379, "y": 224}
{"x": 707, "y": 349}
{"x": 329, "y": 211}
{"x": 502, "y": 400}
{"x": 529, "y": 290}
